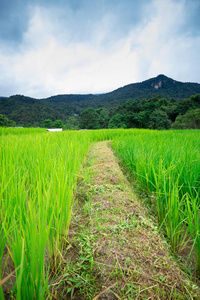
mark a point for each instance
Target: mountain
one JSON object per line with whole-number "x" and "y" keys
{"x": 161, "y": 85}
{"x": 32, "y": 111}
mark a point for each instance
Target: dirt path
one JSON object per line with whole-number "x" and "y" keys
{"x": 115, "y": 250}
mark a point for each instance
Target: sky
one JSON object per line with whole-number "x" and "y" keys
{"x": 50, "y": 47}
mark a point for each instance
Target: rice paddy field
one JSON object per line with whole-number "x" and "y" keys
{"x": 167, "y": 164}
{"x": 38, "y": 179}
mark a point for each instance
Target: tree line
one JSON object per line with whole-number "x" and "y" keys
{"x": 154, "y": 113}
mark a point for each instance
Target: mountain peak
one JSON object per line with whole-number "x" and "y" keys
{"x": 160, "y": 81}
{"x": 162, "y": 76}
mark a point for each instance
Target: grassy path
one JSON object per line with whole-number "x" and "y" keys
{"x": 114, "y": 250}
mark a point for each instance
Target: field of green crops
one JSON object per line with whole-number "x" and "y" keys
{"x": 167, "y": 165}
{"x": 38, "y": 177}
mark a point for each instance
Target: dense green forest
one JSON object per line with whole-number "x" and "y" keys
{"x": 155, "y": 113}
{"x": 158, "y": 103}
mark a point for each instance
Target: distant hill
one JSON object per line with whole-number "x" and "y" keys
{"x": 161, "y": 85}
{"x": 32, "y": 111}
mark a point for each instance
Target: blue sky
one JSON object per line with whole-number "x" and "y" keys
{"x": 93, "y": 46}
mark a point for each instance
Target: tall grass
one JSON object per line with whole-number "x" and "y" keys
{"x": 167, "y": 163}
{"x": 38, "y": 177}
{"x": 19, "y": 130}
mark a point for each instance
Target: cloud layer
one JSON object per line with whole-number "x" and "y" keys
{"x": 95, "y": 46}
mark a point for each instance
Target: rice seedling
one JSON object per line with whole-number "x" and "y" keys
{"x": 38, "y": 177}
{"x": 19, "y": 130}
{"x": 167, "y": 163}
{"x": 193, "y": 214}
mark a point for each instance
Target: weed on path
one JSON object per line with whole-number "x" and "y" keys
{"x": 114, "y": 250}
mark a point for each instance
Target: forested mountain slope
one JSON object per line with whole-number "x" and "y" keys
{"x": 31, "y": 111}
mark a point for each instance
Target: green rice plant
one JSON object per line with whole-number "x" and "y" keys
{"x": 175, "y": 220}
{"x": 2, "y": 246}
{"x": 193, "y": 213}
{"x": 38, "y": 177}
{"x": 167, "y": 164}
{"x": 20, "y": 131}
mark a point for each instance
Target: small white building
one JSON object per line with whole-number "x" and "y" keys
{"x": 54, "y": 129}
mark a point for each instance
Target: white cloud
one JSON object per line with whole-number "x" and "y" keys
{"x": 161, "y": 48}
{"x": 45, "y": 66}
{"x": 50, "y": 62}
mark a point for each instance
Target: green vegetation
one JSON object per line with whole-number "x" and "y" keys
{"x": 38, "y": 175}
{"x": 114, "y": 249}
{"x": 159, "y": 113}
{"x": 154, "y": 103}
{"x": 4, "y": 122}
{"x": 167, "y": 164}
{"x": 20, "y": 131}
{"x": 89, "y": 119}
{"x": 38, "y": 179}
{"x": 190, "y": 120}
{"x": 117, "y": 121}
{"x": 155, "y": 113}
